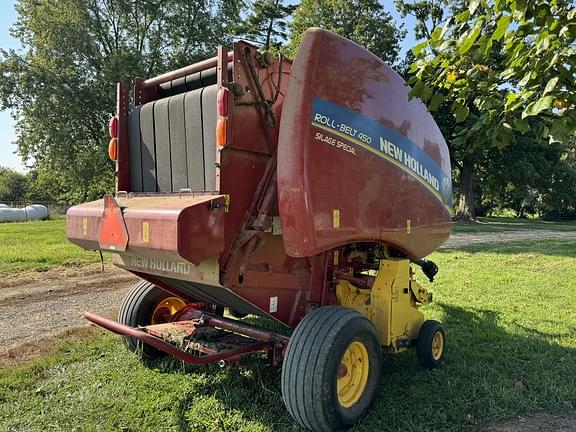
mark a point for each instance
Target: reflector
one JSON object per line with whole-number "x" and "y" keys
{"x": 112, "y": 233}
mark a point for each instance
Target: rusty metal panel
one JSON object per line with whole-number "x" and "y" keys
{"x": 175, "y": 227}
{"x": 83, "y": 224}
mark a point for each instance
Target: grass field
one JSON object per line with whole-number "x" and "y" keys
{"x": 509, "y": 312}
{"x": 492, "y": 224}
{"x": 39, "y": 245}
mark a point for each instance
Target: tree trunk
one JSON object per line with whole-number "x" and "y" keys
{"x": 466, "y": 211}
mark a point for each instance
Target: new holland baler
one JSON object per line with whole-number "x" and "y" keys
{"x": 303, "y": 192}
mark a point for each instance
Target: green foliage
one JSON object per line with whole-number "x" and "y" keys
{"x": 429, "y": 15}
{"x": 524, "y": 175}
{"x": 266, "y": 24}
{"x": 13, "y": 185}
{"x": 61, "y": 85}
{"x": 507, "y": 355}
{"x": 366, "y": 22}
{"x": 503, "y": 70}
{"x": 505, "y": 61}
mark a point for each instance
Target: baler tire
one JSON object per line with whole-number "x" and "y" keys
{"x": 313, "y": 362}
{"x": 431, "y": 344}
{"x": 136, "y": 311}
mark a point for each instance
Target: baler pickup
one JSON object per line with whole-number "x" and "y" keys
{"x": 198, "y": 337}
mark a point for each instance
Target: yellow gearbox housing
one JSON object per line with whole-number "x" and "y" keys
{"x": 391, "y": 304}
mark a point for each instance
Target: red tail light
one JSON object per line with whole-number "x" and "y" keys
{"x": 113, "y": 127}
{"x": 222, "y": 102}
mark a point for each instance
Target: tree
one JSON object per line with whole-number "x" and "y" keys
{"x": 366, "y": 22}
{"x": 518, "y": 176}
{"x": 266, "y": 24}
{"x": 429, "y": 14}
{"x": 558, "y": 199}
{"x": 498, "y": 63}
{"x": 13, "y": 185}
{"x": 60, "y": 87}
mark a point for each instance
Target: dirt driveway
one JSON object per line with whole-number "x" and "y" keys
{"x": 35, "y": 305}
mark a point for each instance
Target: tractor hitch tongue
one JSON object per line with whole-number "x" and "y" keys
{"x": 253, "y": 185}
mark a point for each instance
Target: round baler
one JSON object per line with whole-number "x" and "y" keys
{"x": 302, "y": 192}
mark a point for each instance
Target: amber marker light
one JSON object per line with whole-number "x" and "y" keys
{"x": 113, "y": 149}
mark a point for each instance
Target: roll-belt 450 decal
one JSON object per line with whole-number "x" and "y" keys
{"x": 354, "y": 129}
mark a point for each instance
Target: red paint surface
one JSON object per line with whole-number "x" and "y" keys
{"x": 375, "y": 198}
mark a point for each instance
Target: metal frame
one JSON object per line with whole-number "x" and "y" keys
{"x": 263, "y": 340}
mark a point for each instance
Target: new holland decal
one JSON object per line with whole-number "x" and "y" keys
{"x": 341, "y": 127}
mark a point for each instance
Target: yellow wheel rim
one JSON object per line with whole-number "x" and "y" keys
{"x": 437, "y": 346}
{"x": 353, "y": 374}
{"x": 166, "y": 309}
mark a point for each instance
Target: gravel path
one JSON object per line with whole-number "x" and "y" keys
{"x": 36, "y": 305}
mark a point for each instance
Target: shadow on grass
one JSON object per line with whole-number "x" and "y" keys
{"x": 491, "y": 373}
{"x": 489, "y": 224}
{"x": 552, "y": 247}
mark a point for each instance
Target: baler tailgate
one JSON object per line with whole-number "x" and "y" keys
{"x": 153, "y": 225}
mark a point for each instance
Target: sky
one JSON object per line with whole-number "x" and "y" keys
{"x": 7, "y": 133}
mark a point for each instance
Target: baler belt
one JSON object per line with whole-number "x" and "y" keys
{"x": 172, "y": 143}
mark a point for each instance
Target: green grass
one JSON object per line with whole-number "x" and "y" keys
{"x": 39, "y": 245}
{"x": 495, "y": 224}
{"x": 509, "y": 312}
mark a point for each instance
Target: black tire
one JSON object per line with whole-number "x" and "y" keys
{"x": 312, "y": 364}
{"x": 427, "y": 350}
{"x": 136, "y": 311}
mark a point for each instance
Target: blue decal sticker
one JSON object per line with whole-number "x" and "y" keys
{"x": 382, "y": 141}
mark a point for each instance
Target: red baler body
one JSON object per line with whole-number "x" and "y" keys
{"x": 320, "y": 153}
